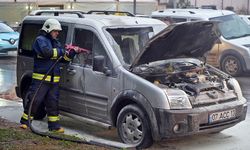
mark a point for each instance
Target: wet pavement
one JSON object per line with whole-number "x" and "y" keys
{"x": 12, "y": 111}
{"x": 7, "y": 73}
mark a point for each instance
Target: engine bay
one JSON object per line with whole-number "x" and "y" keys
{"x": 192, "y": 77}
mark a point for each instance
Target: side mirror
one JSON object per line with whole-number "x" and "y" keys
{"x": 99, "y": 65}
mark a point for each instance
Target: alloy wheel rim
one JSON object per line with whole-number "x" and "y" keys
{"x": 231, "y": 66}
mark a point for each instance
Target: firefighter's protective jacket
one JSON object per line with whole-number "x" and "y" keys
{"x": 47, "y": 51}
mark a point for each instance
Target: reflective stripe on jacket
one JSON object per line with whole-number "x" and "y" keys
{"x": 46, "y": 52}
{"x": 39, "y": 76}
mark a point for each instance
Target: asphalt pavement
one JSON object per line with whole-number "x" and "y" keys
{"x": 235, "y": 138}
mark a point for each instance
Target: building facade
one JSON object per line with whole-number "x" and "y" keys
{"x": 13, "y": 11}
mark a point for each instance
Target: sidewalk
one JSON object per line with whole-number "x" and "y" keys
{"x": 12, "y": 111}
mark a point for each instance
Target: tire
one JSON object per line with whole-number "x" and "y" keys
{"x": 231, "y": 65}
{"x": 133, "y": 127}
{"x": 23, "y": 95}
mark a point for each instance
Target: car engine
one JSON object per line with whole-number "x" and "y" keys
{"x": 190, "y": 77}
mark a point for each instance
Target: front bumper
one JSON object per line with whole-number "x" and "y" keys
{"x": 196, "y": 120}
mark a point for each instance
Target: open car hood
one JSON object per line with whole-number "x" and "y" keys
{"x": 191, "y": 39}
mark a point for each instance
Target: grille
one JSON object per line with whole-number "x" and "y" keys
{"x": 219, "y": 124}
{"x": 214, "y": 103}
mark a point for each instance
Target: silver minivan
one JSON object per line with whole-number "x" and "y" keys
{"x": 231, "y": 53}
{"x": 140, "y": 77}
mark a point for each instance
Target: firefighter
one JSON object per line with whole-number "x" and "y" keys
{"x": 47, "y": 49}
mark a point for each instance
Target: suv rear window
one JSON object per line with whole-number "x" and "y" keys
{"x": 30, "y": 32}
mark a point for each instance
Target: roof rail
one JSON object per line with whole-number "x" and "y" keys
{"x": 184, "y": 11}
{"x": 191, "y": 12}
{"x": 108, "y": 12}
{"x": 57, "y": 12}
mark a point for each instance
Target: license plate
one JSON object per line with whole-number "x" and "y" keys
{"x": 223, "y": 115}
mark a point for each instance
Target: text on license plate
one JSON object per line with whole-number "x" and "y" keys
{"x": 223, "y": 115}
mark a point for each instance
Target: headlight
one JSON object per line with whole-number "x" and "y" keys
{"x": 234, "y": 84}
{"x": 178, "y": 99}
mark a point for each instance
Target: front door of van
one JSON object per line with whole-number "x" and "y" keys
{"x": 72, "y": 89}
{"x": 97, "y": 84}
{"x": 87, "y": 91}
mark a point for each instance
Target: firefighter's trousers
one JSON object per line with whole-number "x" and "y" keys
{"x": 47, "y": 96}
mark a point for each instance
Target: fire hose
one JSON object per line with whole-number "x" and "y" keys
{"x": 53, "y": 136}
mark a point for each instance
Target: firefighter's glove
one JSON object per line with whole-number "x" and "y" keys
{"x": 76, "y": 49}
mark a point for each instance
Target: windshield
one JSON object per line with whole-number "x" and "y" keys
{"x": 232, "y": 27}
{"x": 5, "y": 28}
{"x": 128, "y": 42}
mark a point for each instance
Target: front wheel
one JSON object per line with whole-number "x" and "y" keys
{"x": 133, "y": 127}
{"x": 231, "y": 65}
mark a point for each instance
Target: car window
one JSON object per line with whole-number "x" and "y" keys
{"x": 5, "y": 28}
{"x": 232, "y": 26}
{"x": 88, "y": 40}
{"x": 170, "y": 19}
{"x": 195, "y": 19}
{"x": 127, "y": 42}
{"x": 177, "y": 20}
{"x": 30, "y": 32}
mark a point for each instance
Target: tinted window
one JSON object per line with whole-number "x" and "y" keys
{"x": 30, "y": 32}
{"x": 195, "y": 19}
{"x": 176, "y": 20}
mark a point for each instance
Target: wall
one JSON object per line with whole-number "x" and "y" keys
{"x": 13, "y": 12}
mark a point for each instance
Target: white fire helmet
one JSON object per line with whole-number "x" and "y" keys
{"x": 50, "y": 25}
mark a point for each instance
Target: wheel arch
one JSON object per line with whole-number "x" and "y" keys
{"x": 133, "y": 97}
{"x": 234, "y": 53}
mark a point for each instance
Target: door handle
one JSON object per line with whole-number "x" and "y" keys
{"x": 71, "y": 71}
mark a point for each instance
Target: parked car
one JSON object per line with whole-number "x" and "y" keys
{"x": 8, "y": 38}
{"x": 139, "y": 77}
{"x": 231, "y": 52}
{"x": 246, "y": 18}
